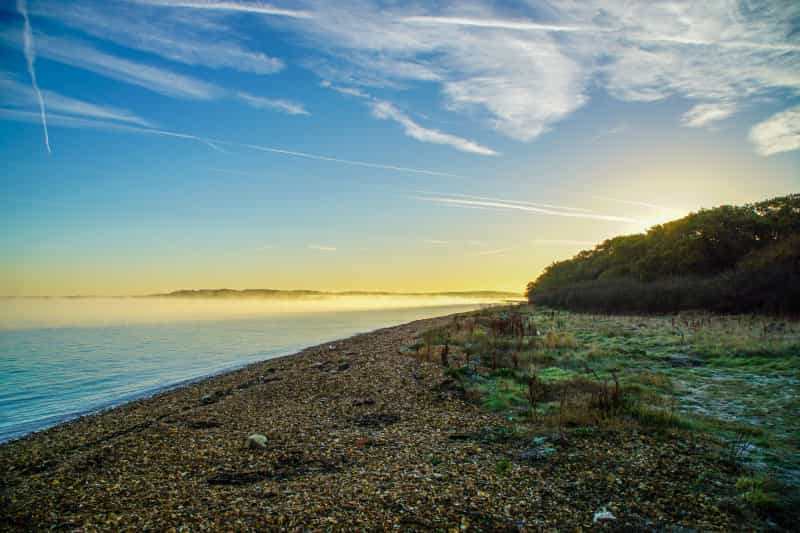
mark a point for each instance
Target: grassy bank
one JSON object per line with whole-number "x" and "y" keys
{"x": 734, "y": 380}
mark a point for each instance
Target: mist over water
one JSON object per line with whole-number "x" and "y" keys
{"x": 28, "y": 313}
{"x": 63, "y": 357}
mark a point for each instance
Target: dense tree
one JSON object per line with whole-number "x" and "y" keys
{"x": 727, "y": 258}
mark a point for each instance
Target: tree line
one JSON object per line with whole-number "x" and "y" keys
{"x": 729, "y": 258}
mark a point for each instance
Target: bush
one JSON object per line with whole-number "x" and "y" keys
{"x": 759, "y": 492}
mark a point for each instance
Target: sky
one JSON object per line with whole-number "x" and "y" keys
{"x": 154, "y": 145}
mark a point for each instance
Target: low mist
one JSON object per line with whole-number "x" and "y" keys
{"x": 24, "y": 313}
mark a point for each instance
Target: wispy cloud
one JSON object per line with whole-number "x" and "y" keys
{"x": 86, "y": 57}
{"x": 322, "y": 248}
{"x": 349, "y": 91}
{"x": 501, "y": 24}
{"x": 435, "y": 242}
{"x": 637, "y": 203}
{"x": 779, "y": 133}
{"x": 387, "y": 111}
{"x": 16, "y": 94}
{"x": 527, "y": 25}
{"x": 284, "y": 106}
{"x": 522, "y": 76}
{"x": 519, "y": 202}
{"x": 519, "y": 76}
{"x": 702, "y": 115}
{"x": 562, "y": 242}
{"x": 259, "y": 8}
{"x": 495, "y": 252}
{"x": 30, "y": 59}
{"x": 264, "y": 248}
{"x": 156, "y": 79}
{"x": 505, "y": 205}
{"x": 167, "y": 35}
{"x": 384, "y": 110}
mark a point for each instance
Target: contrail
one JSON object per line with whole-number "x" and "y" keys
{"x": 342, "y": 161}
{"x": 503, "y": 24}
{"x": 529, "y": 25}
{"x": 30, "y": 58}
{"x": 259, "y": 8}
{"x": 460, "y": 202}
{"x": 633, "y": 202}
{"x": 75, "y": 122}
{"x": 491, "y": 199}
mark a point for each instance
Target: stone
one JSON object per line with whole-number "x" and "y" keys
{"x": 603, "y": 515}
{"x": 257, "y": 441}
{"x": 534, "y": 455}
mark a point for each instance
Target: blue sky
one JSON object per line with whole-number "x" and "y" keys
{"x": 367, "y": 145}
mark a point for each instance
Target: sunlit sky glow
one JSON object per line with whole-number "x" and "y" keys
{"x": 151, "y": 145}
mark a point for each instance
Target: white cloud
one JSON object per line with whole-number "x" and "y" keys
{"x": 520, "y": 70}
{"x": 165, "y": 35}
{"x": 349, "y": 91}
{"x": 387, "y": 111}
{"x": 322, "y": 248}
{"x": 159, "y": 80}
{"x": 702, "y": 115}
{"x": 779, "y": 133}
{"x": 15, "y": 94}
{"x": 435, "y": 242}
{"x": 384, "y": 110}
{"x": 284, "y": 106}
{"x": 518, "y": 84}
{"x": 84, "y": 56}
{"x": 525, "y": 73}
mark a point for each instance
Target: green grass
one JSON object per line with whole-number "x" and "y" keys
{"x": 720, "y": 375}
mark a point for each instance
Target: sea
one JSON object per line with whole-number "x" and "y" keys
{"x": 61, "y": 358}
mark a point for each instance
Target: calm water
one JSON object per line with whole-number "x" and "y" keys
{"x": 100, "y": 357}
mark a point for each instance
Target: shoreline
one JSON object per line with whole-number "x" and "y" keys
{"x": 360, "y": 434}
{"x": 125, "y": 398}
{"x": 155, "y": 393}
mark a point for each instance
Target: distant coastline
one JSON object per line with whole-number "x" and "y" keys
{"x": 300, "y": 293}
{"x": 289, "y": 293}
